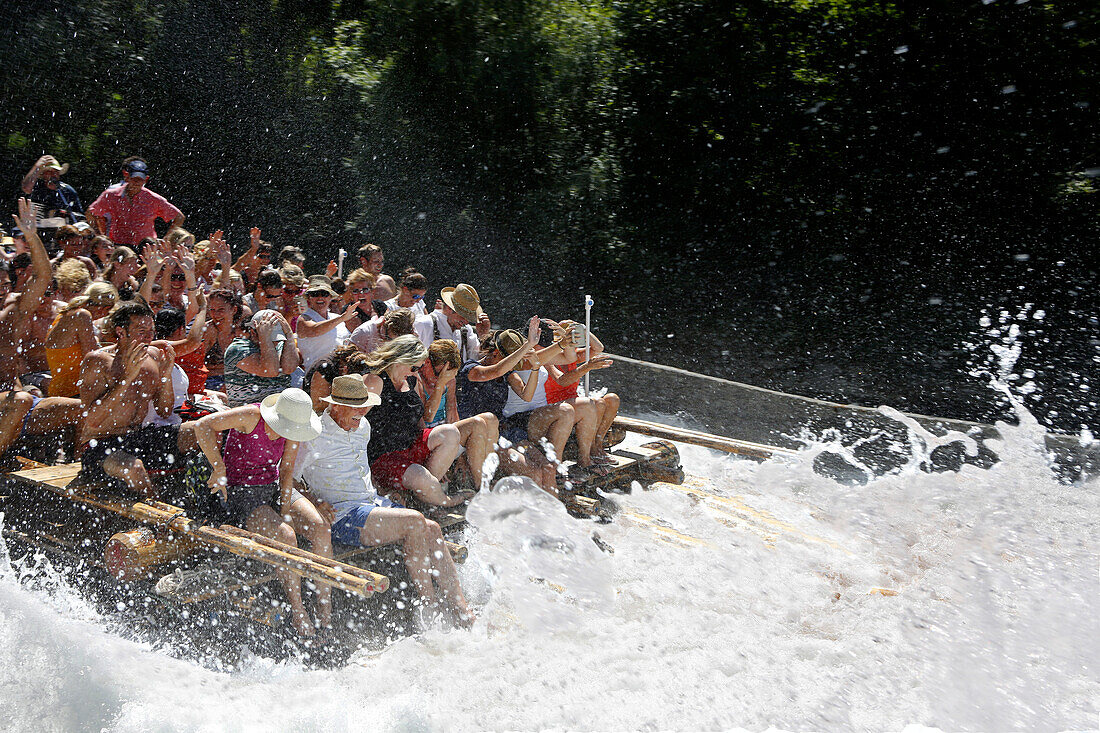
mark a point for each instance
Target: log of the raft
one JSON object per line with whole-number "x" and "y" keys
{"x": 311, "y": 567}
{"x": 707, "y": 440}
{"x": 135, "y": 553}
{"x": 379, "y": 582}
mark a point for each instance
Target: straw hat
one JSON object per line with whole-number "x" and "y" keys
{"x": 508, "y": 341}
{"x": 50, "y": 163}
{"x": 290, "y": 414}
{"x": 464, "y": 301}
{"x": 350, "y": 390}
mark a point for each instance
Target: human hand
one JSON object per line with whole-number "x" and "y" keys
{"x": 331, "y": 268}
{"x": 533, "y": 330}
{"x": 446, "y": 376}
{"x": 44, "y": 161}
{"x": 559, "y": 330}
{"x": 154, "y": 258}
{"x": 603, "y": 361}
{"x": 218, "y": 483}
{"x": 25, "y": 219}
{"x": 221, "y": 249}
{"x": 165, "y": 361}
{"x": 484, "y": 326}
{"x": 254, "y": 239}
{"x": 133, "y": 359}
{"x": 187, "y": 263}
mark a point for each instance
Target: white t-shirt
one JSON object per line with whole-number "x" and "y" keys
{"x": 335, "y": 467}
{"x": 315, "y": 348}
{"x": 418, "y": 308}
{"x": 465, "y": 337}
{"x": 368, "y": 335}
{"x": 517, "y": 404}
{"x": 180, "y": 383}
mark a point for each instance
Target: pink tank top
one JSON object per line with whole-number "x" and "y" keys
{"x": 252, "y": 459}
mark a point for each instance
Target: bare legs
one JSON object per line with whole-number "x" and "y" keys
{"x": 426, "y": 557}
{"x": 265, "y": 521}
{"x": 423, "y": 481}
{"x": 478, "y": 434}
{"x": 308, "y": 522}
{"x": 553, "y": 422}
{"x": 608, "y": 407}
{"x": 55, "y": 413}
{"x": 528, "y": 460}
{"x": 13, "y": 407}
{"x": 131, "y": 470}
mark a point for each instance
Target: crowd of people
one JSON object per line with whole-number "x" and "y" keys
{"x": 337, "y": 402}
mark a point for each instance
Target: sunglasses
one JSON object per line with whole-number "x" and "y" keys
{"x": 291, "y": 290}
{"x": 361, "y": 290}
{"x": 179, "y": 277}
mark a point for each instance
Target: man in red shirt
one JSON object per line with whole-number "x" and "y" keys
{"x": 126, "y": 212}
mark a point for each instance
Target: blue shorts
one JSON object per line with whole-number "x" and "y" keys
{"x": 23, "y": 426}
{"x": 514, "y": 427}
{"x": 346, "y": 531}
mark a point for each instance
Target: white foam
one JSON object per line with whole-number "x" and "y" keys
{"x": 759, "y": 613}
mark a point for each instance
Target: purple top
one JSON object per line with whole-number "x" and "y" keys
{"x": 252, "y": 459}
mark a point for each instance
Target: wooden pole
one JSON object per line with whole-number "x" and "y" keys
{"x": 313, "y": 567}
{"x": 707, "y": 440}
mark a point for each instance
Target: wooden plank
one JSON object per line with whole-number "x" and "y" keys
{"x": 308, "y": 565}
{"x": 707, "y": 440}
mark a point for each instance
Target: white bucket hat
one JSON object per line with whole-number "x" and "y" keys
{"x": 290, "y": 414}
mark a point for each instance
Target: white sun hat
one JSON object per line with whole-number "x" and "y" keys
{"x": 290, "y": 414}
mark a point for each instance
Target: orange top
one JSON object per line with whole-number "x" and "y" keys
{"x": 64, "y": 368}
{"x": 556, "y": 393}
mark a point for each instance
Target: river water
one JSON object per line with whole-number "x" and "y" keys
{"x": 772, "y": 596}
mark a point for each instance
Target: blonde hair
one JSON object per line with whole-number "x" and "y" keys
{"x": 203, "y": 252}
{"x": 405, "y": 349}
{"x": 96, "y": 295}
{"x": 180, "y": 236}
{"x": 72, "y": 276}
{"x": 359, "y": 275}
{"x": 120, "y": 255}
{"x": 444, "y": 352}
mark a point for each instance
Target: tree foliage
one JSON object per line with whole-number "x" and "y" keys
{"x": 638, "y": 135}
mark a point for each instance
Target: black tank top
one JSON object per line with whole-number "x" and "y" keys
{"x": 394, "y": 424}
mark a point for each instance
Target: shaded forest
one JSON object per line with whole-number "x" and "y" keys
{"x": 666, "y": 146}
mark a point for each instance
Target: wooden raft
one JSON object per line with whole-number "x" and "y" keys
{"x": 240, "y": 542}
{"x": 707, "y": 440}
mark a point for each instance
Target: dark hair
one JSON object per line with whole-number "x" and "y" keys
{"x": 269, "y": 279}
{"x": 292, "y": 253}
{"x": 368, "y": 250}
{"x": 339, "y": 287}
{"x": 413, "y": 280}
{"x": 232, "y": 298}
{"x": 127, "y": 311}
{"x": 168, "y": 320}
{"x": 23, "y": 259}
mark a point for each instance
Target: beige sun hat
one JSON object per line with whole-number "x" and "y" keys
{"x": 350, "y": 390}
{"x": 51, "y": 163}
{"x": 464, "y": 301}
{"x": 290, "y": 414}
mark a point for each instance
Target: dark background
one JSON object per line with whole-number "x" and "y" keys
{"x": 820, "y": 197}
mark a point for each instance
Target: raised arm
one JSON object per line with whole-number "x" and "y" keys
{"x": 41, "y": 272}
{"x": 154, "y": 263}
{"x": 310, "y": 329}
{"x": 508, "y": 363}
{"x": 35, "y": 173}
{"x": 248, "y": 258}
{"x": 225, "y": 258}
{"x": 286, "y": 477}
